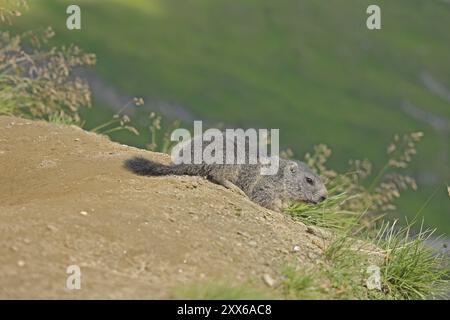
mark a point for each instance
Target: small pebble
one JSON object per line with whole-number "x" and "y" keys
{"x": 51, "y": 227}
{"x": 20, "y": 263}
{"x": 83, "y": 213}
{"x": 268, "y": 280}
{"x": 296, "y": 248}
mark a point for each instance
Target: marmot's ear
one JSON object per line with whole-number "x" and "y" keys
{"x": 293, "y": 167}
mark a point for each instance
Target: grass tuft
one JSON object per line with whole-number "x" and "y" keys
{"x": 412, "y": 269}
{"x": 327, "y": 214}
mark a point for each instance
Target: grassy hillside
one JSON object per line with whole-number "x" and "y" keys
{"x": 310, "y": 68}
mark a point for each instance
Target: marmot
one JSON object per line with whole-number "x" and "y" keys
{"x": 293, "y": 182}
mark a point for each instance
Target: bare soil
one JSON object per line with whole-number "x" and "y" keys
{"x": 65, "y": 199}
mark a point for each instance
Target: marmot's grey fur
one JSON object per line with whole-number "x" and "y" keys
{"x": 294, "y": 181}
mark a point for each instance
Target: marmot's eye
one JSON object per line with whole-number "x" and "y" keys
{"x": 309, "y": 180}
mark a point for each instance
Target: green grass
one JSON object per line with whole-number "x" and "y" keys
{"x": 299, "y": 283}
{"x": 60, "y": 119}
{"x": 410, "y": 268}
{"x": 326, "y": 214}
{"x": 310, "y": 68}
{"x": 220, "y": 290}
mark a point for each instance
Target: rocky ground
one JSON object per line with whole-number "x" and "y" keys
{"x": 65, "y": 199}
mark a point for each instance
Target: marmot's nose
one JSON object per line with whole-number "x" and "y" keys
{"x": 323, "y": 194}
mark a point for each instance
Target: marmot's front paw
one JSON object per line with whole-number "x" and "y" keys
{"x": 229, "y": 185}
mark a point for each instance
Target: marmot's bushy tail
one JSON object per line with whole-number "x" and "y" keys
{"x": 147, "y": 167}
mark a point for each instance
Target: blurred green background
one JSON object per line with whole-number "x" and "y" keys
{"x": 310, "y": 68}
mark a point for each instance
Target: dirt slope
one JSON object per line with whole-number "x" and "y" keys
{"x": 65, "y": 199}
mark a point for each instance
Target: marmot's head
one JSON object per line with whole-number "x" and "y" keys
{"x": 302, "y": 184}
